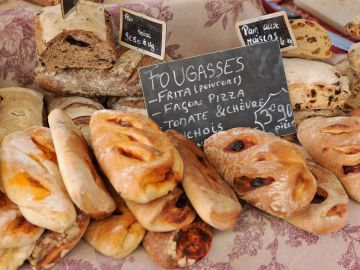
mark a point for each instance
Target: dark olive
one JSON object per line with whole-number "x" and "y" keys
{"x": 237, "y": 146}
{"x": 257, "y": 182}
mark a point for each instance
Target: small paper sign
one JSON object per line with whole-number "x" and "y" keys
{"x": 142, "y": 33}
{"x": 202, "y": 95}
{"x": 67, "y": 6}
{"x": 267, "y": 28}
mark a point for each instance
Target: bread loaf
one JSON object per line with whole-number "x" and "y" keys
{"x": 127, "y": 104}
{"x": 353, "y": 27}
{"x": 53, "y": 246}
{"x": 121, "y": 80}
{"x": 84, "y": 39}
{"x": 312, "y": 39}
{"x": 354, "y": 58}
{"x": 335, "y": 144}
{"x": 81, "y": 178}
{"x": 13, "y": 258}
{"x": 168, "y": 213}
{"x": 212, "y": 198}
{"x": 20, "y": 108}
{"x": 301, "y": 115}
{"x": 32, "y": 180}
{"x": 263, "y": 169}
{"x": 135, "y": 155}
{"x": 315, "y": 85}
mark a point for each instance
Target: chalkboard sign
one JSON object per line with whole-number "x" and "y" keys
{"x": 67, "y": 6}
{"x": 142, "y": 33}
{"x": 266, "y": 28}
{"x": 202, "y": 95}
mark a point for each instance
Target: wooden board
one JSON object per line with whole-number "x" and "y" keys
{"x": 336, "y": 13}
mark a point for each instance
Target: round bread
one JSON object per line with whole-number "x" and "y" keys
{"x": 212, "y": 198}
{"x": 82, "y": 181}
{"x": 263, "y": 169}
{"x": 15, "y": 231}
{"x": 32, "y": 179}
{"x": 335, "y": 144}
{"x": 180, "y": 248}
{"x": 168, "y": 213}
{"x": 135, "y": 155}
{"x": 328, "y": 211}
{"x": 353, "y": 27}
{"x": 13, "y": 258}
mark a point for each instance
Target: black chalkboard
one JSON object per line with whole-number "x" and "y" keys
{"x": 266, "y": 28}
{"x": 142, "y": 33}
{"x": 67, "y": 6}
{"x": 241, "y": 87}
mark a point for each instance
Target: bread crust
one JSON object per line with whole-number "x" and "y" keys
{"x": 135, "y": 155}
{"x": 335, "y": 144}
{"x": 212, "y": 198}
{"x": 13, "y": 258}
{"x": 263, "y": 169}
{"x": 353, "y": 27}
{"x": 84, "y": 184}
{"x": 32, "y": 179}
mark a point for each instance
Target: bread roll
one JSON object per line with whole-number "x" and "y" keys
{"x": 53, "y": 246}
{"x": 84, "y": 39}
{"x": 312, "y": 39}
{"x": 301, "y": 115}
{"x": 32, "y": 179}
{"x": 335, "y": 144}
{"x": 116, "y": 236}
{"x": 328, "y": 211}
{"x": 212, "y": 198}
{"x": 127, "y": 104}
{"x": 13, "y": 258}
{"x": 264, "y": 170}
{"x": 353, "y": 27}
{"x": 82, "y": 181}
{"x": 20, "y": 108}
{"x": 135, "y": 155}
{"x": 315, "y": 85}
{"x": 120, "y": 80}
{"x": 181, "y": 248}
{"x": 354, "y": 58}
{"x": 168, "y": 213}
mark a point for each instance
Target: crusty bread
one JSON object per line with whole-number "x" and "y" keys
{"x": 135, "y": 155}
{"x": 315, "y": 85}
{"x": 353, "y": 27}
{"x": 312, "y": 39}
{"x": 15, "y": 231}
{"x": 79, "y": 109}
{"x": 263, "y": 169}
{"x": 168, "y": 213}
{"x": 81, "y": 178}
{"x": 53, "y": 246}
{"x": 335, "y": 144}
{"x": 212, "y": 198}
{"x": 127, "y": 104}
{"x": 354, "y": 58}
{"x": 328, "y": 211}
{"x": 32, "y": 180}
{"x": 301, "y": 115}
{"x": 181, "y": 248}
{"x": 121, "y": 80}
{"x": 19, "y": 108}
{"x": 84, "y": 39}
{"x": 13, "y": 258}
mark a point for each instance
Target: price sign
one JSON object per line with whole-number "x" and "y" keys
{"x": 142, "y": 33}
{"x": 266, "y": 28}
{"x": 202, "y": 95}
{"x": 67, "y": 6}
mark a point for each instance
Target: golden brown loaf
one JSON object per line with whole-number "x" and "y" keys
{"x": 32, "y": 179}
{"x": 181, "y": 248}
{"x": 15, "y": 231}
{"x": 335, "y": 144}
{"x": 168, "y": 213}
{"x": 135, "y": 155}
{"x": 328, "y": 211}
{"x": 212, "y": 198}
{"x": 81, "y": 178}
{"x": 53, "y": 246}
{"x": 20, "y": 108}
{"x": 263, "y": 169}
{"x": 13, "y": 258}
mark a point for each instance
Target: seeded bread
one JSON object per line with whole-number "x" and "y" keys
{"x": 353, "y": 27}
{"x": 315, "y": 85}
{"x": 354, "y": 58}
{"x": 312, "y": 39}
{"x": 84, "y": 39}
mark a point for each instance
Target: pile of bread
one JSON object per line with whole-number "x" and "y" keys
{"x": 112, "y": 177}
